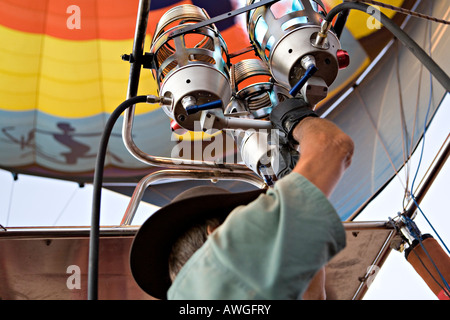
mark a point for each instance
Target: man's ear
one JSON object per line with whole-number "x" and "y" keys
{"x": 210, "y": 229}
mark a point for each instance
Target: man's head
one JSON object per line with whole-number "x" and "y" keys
{"x": 189, "y": 242}
{"x": 205, "y": 207}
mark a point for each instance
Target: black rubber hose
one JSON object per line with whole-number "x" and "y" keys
{"x": 97, "y": 186}
{"x": 423, "y": 57}
{"x": 340, "y": 23}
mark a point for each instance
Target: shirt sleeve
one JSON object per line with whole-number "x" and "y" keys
{"x": 269, "y": 249}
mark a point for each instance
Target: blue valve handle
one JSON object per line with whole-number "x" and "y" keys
{"x": 206, "y": 106}
{"x": 299, "y": 85}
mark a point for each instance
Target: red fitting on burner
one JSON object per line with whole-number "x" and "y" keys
{"x": 343, "y": 58}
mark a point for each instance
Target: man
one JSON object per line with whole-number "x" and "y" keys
{"x": 254, "y": 245}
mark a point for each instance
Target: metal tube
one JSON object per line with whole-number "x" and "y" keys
{"x": 60, "y": 232}
{"x": 138, "y": 48}
{"x": 223, "y": 16}
{"x": 430, "y": 176}
{"x": 125, "y": 230}
{"x": 244, "y": 124}
{"x": 128, "y": 120}
{"x": 172, "y": 162}
{"x": 368, "y": 225}
{"x": 379, "y": 260}
{"x": 133, "y": 83}
{"x": 145, "y": 182}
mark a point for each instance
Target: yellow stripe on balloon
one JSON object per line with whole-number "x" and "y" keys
{"x": 360, "y": 24}
{"x": 66, "y": 78}
{"x": 19, "y": 60}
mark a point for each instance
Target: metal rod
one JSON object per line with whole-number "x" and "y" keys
{"x": 379, "y": 260}
{"x": 422, "y": 189}
{"x": 430, "y": 176}
{"x": 368, "y": 225}
{"x": 173, "y": 163}
{"x": 145, "y": 182}
{"x": 138, "y": 48}
{"x": 221, "y": 17}
{"x": 114, "y": 231}
{"x": 135, "y": 69}
{"x": 70, "y": 232}
{"x": 231, "y": 123}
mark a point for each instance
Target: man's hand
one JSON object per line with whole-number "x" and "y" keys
{"x": 287, "y": 114}
{"x": 325, "y": 152}
{"x": 284, "y": 117}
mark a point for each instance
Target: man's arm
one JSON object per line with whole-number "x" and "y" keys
{"x": 325, "y": 152}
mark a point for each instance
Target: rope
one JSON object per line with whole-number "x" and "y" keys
{"x": 11, "y": 194}
{"x": 66, "y": 205}
{"x": 366, "y": 109}
{"x": 407, "y": 193}
{"x": 402, "y": 117}
{"x": 446, "y": 287}
{"x": 421, "y": 155}
{"x": 406, "y": 40}
{"x": 403, "y": 11}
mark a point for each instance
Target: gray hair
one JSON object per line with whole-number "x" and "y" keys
{"x": 188, "y": 243}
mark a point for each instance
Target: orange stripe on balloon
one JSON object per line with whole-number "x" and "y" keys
{"x": 100, "y": 19}
{"x": 104, "y": 19}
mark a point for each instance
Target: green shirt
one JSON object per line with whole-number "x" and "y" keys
{"x": 269, "y": 249}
